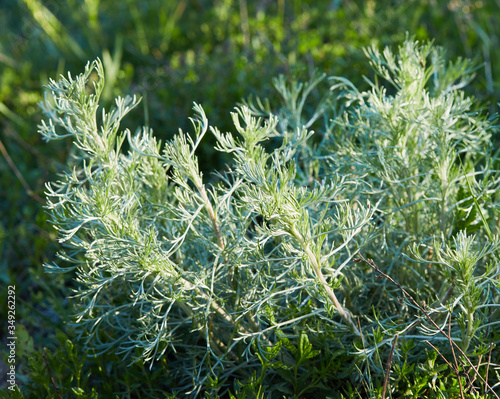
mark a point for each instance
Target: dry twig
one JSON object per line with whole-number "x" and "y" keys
{"x": 18, "y": 174}
{"x": 388, "y": 367}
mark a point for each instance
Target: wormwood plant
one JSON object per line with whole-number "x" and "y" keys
{"x": 244, "y": 282}
{"x": 212, "y": 277}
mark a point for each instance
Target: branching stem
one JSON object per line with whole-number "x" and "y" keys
{"x": 317, "y": 270}
{"x": 211, "y": 213}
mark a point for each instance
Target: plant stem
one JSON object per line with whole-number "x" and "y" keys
{"x": 317, "y": 269}
{"x": 211, "y": 213}
{"x": 388, "y": 367}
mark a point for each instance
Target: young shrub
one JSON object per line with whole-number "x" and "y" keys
{"x": 254, "y": 281}
{"x": 212, "y": 276}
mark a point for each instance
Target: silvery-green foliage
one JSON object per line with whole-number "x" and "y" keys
{"x": 170, "y": 264}
{"x": 251, "y": 268}
{"x": 410, "y": 135}
{"x": 473, "y": 269}
{"x": 423, "y": 152}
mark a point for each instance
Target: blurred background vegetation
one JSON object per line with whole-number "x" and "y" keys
{"x": 171, "y": 53}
